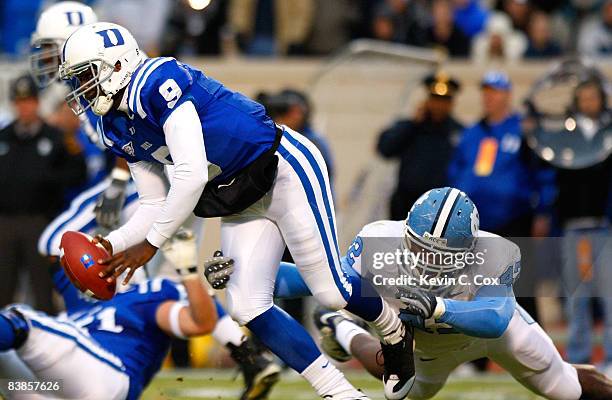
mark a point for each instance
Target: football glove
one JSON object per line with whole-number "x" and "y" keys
{"x": 218, "y": 270}
{"x": 110, "y": 203}
{"x": 182, "y": 251}
{"x": 420, "y": 307}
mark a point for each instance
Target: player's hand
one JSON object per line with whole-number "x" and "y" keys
{"x": 109, "y": 204}
{"x": 218, "y": 270}
{"x": 418, "y": 303}
{"x": 128, "y": 260}
{"x": 182, "y": 251}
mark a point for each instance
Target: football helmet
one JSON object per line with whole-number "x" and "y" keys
{"x": 441, "y": 227}
{"x": 54, "y": 26}
{"x": 98, "y": 60}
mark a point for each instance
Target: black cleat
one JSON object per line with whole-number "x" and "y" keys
{"x": 399, "y": 374}
{"x": 260, "y": 372}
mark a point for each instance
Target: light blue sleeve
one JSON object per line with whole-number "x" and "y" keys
{"x": 486, "y": 316}
{"x": 289, "y": 283}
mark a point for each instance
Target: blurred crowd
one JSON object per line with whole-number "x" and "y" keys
{"x": 480, "y": 29}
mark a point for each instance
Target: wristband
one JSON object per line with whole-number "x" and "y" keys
{"x": 188, "y": 273}
{"x": 174, "y": 317}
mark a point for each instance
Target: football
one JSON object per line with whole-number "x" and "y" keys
{"x": 79, "y": 258}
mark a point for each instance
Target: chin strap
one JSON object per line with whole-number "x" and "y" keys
{"x": 103, "y": 104}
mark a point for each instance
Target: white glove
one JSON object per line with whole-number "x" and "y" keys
{"x": 181, "y": 250}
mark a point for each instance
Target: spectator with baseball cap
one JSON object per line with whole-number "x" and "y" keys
{"x": 495, "y": 168}
{"x": 35, "y": 168}
{"x": 513, "y": 191}
{"x": 424, "y": 144}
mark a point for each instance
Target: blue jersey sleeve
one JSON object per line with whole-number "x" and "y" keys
{"x": 486, "y": 316}
{"x": 163, "y": 90}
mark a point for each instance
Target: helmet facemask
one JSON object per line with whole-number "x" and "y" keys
{"x": 86, "y": 80}
{"x": 45, "y": 62}
{"x": 430, "y": 260}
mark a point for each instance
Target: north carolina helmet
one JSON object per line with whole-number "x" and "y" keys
{"x": 99, "y": 60}
{"x": 54, "y": 26}
{"x": 441, "y": 224}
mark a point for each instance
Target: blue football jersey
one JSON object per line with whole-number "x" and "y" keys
{"x": 236, "y": 129}
{"x": 126, "y": 327}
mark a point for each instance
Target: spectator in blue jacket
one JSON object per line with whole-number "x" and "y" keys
{"x": 496, "y": 169}
{"x": 513, "y": 191}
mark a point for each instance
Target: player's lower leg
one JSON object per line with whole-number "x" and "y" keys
{"x": 286, "y": 338}
{"x": 396, "y": 341}
{"x": 259, "y": 371}
{"x": 595, "y": 385}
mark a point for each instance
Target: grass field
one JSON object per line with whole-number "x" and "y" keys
{"x": 219, "y": 384}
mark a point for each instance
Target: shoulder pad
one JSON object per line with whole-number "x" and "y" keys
{"x": 383, "y": 228}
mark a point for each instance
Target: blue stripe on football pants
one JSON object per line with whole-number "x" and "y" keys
{"x": 368, "y": 307}
{"x": 331, "y": 253}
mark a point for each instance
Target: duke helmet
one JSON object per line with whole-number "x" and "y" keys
{"x": 442, "y": 222}
{"x": 54, "y": 26}
{"x": 98, "y": 60}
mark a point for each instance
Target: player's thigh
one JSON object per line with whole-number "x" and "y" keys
{"x": 528, "y": 353}
{"x": 54, "y": 356}
{"x": 302, "y": 206}
{"x": 256, "y": 246}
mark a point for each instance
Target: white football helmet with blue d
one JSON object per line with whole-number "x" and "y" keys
{"x": 99, "y": 60}
{"x": 441, "y": 227}
{"x": 54, "y": 26}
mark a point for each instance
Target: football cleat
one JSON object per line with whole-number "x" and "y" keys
{"x": 326, "y": 321}
{"x": 399, "y": 374}
{"x": 260, "y": 372}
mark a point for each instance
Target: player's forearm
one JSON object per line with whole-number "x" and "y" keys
{"x": 152, "y": 188}
{"x": 185, "y": 141}
{"x": 202, "y": 311}
{"x": 486, "y": 317}
{"x": 136, "y": 228}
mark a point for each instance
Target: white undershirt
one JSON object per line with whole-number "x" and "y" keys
{"x": 163, "y": 207}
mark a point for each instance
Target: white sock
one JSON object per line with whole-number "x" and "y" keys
{"x": 346, "y": 331}
{"x": 228, "y": 331}
{"x": 388, "y": 325}
{"x": 326, "y": 379}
